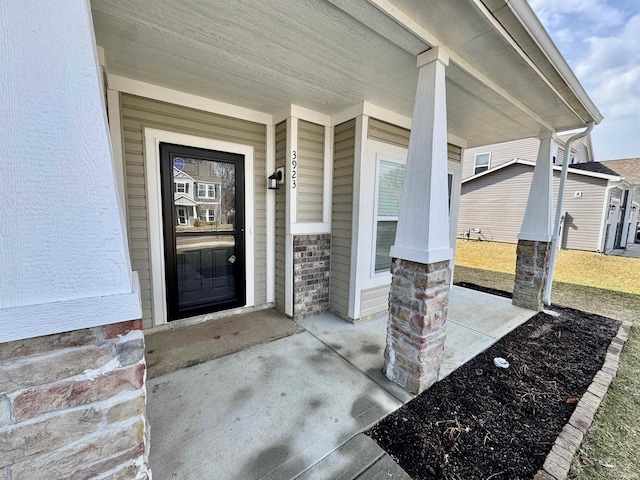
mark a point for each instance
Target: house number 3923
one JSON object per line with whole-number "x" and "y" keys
{"x": 294, "y": 169}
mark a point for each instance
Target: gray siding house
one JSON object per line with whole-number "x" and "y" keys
{"x": 479, "y": 159}
{"x": 600, "y": 205}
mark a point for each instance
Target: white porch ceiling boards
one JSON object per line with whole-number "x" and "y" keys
{"x": 326, "y": 56}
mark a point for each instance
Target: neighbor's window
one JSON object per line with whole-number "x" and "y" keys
{"x": 181, "y": 187}
{"x": 390, "y": 180}
{"x": 211, "y": 216}
{"x": 206, "y": 190}
{"x": 481, "y": 162}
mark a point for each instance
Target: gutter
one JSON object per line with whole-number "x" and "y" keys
{"x": 556, "y": 226}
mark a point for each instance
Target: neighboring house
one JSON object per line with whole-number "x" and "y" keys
{"x": 623, "y": 201}
{"x": 479, "y": 159}
{"x": 344, "y": 101}
{"x": 598, "y": 213}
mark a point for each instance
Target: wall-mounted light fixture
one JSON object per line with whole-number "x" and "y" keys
{"x": 612, "y": 207}
{"x": 274, "y": 180}
{"x": 633, "y": 209}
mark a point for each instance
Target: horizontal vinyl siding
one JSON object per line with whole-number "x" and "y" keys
{"x": 496, "y": 203}
{"x": 454, "y": 153}
{"x": 310, "y": 172}
{"x": 524, "y": 149}
{"x": 281, "y": 199}
{"x": 138, "y": 113}
{"x": 581, "y": 228}
{"x": 342, "y": 212}
{"x": 374, "y": 300}
{"x": 387, "y": 133}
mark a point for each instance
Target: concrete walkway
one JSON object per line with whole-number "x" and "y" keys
{"x": 294, "y": 407}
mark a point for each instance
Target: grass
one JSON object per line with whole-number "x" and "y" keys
{"x": 572, "y": 266}
{"x": 600, "y": 284}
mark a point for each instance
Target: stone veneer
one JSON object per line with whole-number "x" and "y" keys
{"x": 311, "y": 264}
{"x": 532, "y": 268}
{"x": 418, "y": 303}
{"x": 73, "y": 405}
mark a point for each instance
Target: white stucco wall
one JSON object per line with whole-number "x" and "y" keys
{"x": 61, "y": 234}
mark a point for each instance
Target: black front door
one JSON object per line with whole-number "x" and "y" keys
{"x": 203, "y": 216}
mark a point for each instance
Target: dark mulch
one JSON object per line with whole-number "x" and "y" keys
{"x": 484, "y": 422}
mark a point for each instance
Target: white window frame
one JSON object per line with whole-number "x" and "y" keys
{"x": 210, "y": 213}
{"x": 475, "y": 164}
{"x": 376, "y": 218}
{"x": 186, "y": 217}
{"x": 180, "y": 183}
{"x": 208, "y": 187}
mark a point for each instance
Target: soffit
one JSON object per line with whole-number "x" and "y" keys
{"x": 312, "y": 53}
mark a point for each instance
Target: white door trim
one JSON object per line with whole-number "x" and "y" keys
{"x": 152, "y": 139}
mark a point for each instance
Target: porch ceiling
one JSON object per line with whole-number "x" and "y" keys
{"x": 327, "y": 55}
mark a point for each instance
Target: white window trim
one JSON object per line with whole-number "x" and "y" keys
{"x": 186, "y": 217}
{"x": 377, "y": 218}
{"x": 183, "y": 184}
{"x": 207, "y": 185}
{"x": 153, "y": 138}
{"x": 475, "y": 158}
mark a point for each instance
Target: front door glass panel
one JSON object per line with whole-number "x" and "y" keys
{"x": 203, "y": 208}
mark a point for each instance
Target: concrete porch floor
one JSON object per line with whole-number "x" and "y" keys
{"x": 277, "y": 409}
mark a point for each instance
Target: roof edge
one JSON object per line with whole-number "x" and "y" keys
{"x": 604, "y": 176}
{"x": 528, "y": 18}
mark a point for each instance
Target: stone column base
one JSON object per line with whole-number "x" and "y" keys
{"x": 73, "y": 405}
{"x": 532, "y": 268}
{"x": 416, "y": 329}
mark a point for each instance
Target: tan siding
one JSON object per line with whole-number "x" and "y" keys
{"x": 281, "y": 198}
{"x": 138, "y": 113}
{"x": 342, "y": 211}
{"x": 525, "y": 149}
{"x": 454, "y": 153}
{"x": 310, "y": 172}
{"x": 374, "y": 300}
{"x": 385, "y": 132}
{"x": 496, "y": 203}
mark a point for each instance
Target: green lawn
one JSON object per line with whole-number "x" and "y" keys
{"x": 600, "y": 284}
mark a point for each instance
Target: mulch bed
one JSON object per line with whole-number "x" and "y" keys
{"x": 483, "y": 422}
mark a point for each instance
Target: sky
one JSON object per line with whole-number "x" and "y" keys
{"x": 600, "y": 39}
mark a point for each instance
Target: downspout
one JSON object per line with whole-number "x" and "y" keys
{"x": 556, "y": 225}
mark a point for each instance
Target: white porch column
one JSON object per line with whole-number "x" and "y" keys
{"x": 422, "y": 234}
{"x": 422, "y": 252}
{"x": 72, "y": 391}
{"x": 537, "y": 224}
{"x": 534, "y": 240}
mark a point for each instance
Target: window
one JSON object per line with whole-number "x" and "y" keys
{"x": 389, "y": 186}
{"x": 182, "y": 216}
{"x": 207, "y": 215}
{"x": 481, "y": 162}
{"x": 207, "y": 190}
{"x": 181, "y": 187}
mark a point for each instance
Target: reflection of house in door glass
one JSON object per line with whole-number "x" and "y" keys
{"x": 204, "y": 195}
